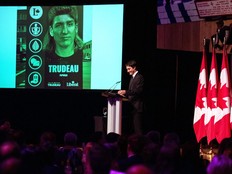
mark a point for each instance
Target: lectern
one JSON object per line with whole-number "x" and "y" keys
{"x": 114, "y": 114}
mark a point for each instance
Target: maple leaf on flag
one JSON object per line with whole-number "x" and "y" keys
{"x": 223, "y": 104}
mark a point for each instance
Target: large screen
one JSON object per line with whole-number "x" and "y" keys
{"x": 61, "y": 47}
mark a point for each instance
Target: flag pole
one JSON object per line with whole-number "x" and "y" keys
{"x": 204, "y": 42}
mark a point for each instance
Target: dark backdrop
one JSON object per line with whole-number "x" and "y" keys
{"x": 170, "y": 83}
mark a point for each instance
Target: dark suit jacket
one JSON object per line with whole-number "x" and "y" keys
{"x": 135, "y": 92}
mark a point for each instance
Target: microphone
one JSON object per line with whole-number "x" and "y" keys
{"x": 118, "y": 82}
{"x": 114, "y": 86}
{"x": 109, "y": 91}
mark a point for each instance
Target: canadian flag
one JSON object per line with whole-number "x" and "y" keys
{"x": 201, "y": 102}
{"x": 222, "y": 119}
{"x": 211, "y": 99}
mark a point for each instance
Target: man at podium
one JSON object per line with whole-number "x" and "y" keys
{"x": 134, "y": 93}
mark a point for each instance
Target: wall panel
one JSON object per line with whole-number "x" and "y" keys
{"x": 185, "y": 36}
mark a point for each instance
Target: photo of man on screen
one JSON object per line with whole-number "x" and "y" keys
{"x": 62, "y": 48}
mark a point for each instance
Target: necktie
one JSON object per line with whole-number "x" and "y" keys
{"x": 130, "y": 84}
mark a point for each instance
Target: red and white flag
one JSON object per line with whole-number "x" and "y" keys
{"x": 211, "y": 99}
{"x": 201, "y": 101}
{"x": 222, "y": 119}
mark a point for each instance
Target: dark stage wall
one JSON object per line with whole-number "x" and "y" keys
{"x": 170, "y": 77}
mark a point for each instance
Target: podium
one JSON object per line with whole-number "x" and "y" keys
{"x": 114, "y": 114}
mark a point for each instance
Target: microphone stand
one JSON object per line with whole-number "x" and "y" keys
{"x": 109, "y": 91}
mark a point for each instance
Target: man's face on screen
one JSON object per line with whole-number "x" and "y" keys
{"x": 63, "y": 30}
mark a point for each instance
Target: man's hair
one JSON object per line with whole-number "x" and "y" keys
{"x": 131, "y": 63}
{"x": 48, "y": 42}
{"x": 70, "y": 138}
{"x": 60, "y": 10}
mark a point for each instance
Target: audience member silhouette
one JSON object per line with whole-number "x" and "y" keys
{"x": 150, "y": 154}
{"x": 46, "y": 152}
{"x": 154, "y": 136}
{"x": 135, "y": 146}
{"x": 11, "y": 165}
{"x": 112, "y": 137}
{"x": 71, "y": 154}
{"x": 171, "y": 138}
{"x": 98, "y": 137}
{"x": 225, "y": 147}
{"x": 98, "y": 159}
{"x": 191, "y": 161}
{"x": 86, "y": 150}
{"x": 139, "y": 169}
{"x": 122, "y": 146}
{"x": 114, "y": 152}
{"x": 6, "y": 131}
{"x": 8, "y": 149}
{"x": 169, "y": 159}
{"x": 220, "y": 164}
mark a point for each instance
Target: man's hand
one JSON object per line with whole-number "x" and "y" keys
{"x": 122, "y": 92}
